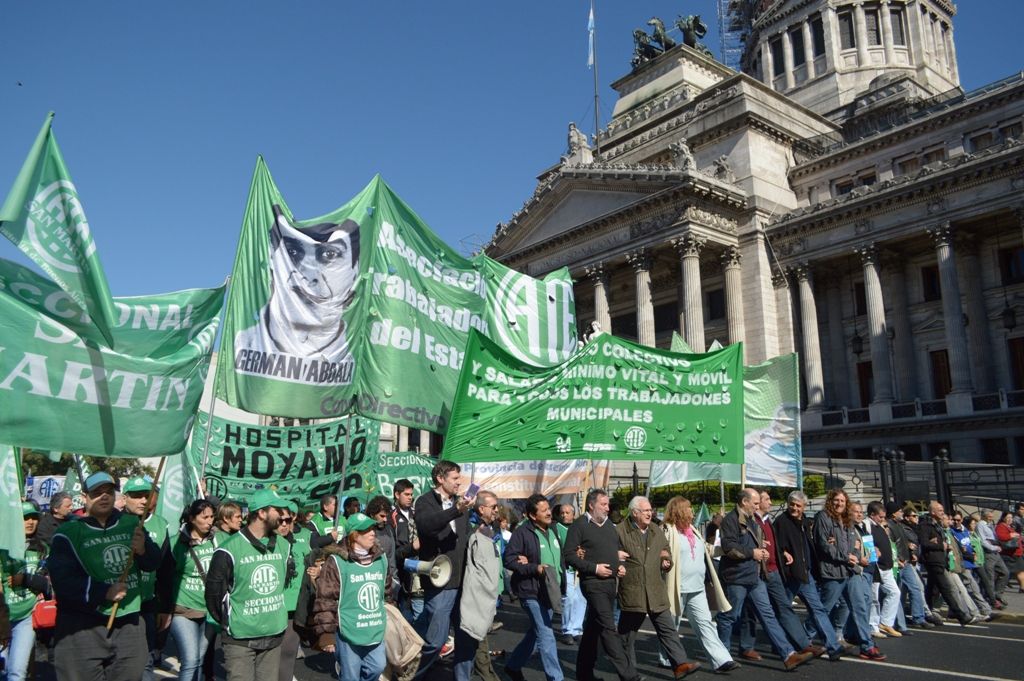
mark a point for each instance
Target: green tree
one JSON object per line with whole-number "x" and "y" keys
{"x": 38, "y": 463}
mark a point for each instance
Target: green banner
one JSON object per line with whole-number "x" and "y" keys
{"x": 378, "y": 473}
{"x": 12, "y": 527}
{"x": 613, "y": 399}
{"x": 366, "y": 310}
{"x": 44, "y": 218}
{"x": 300, "y": 462}
{"x": 61, "y": 389}
{"x": 771, "y": 416}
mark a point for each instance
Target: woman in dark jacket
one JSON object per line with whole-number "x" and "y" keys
{"x": 532, "y": 552}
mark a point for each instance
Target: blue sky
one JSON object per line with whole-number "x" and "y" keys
{"x": 162, "y": 108}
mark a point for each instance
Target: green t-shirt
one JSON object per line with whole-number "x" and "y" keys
{"x": 20, "y": 601}
{"x": 103, "y": 554}
{"x": 325, "y": 525}
{"x": 361, "y": 615}
{"x": 256, "y": 603}
{"x": 156, "y": 527}
{"x": 300, "y": 549}
{"x": 189, "y": 580}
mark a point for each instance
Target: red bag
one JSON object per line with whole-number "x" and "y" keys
{"x": 44, "y": 615}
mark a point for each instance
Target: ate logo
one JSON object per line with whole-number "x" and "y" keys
{"x": 216, "y": 487}
{"x": 57, "y": 227}
{"x": 115, "y": 557}
{"x": 636, "y": 437}
{"x": 535, "y": 320}
{"x": 49, "y": 487}
{"x": 369, "y": 597}
{"x": 264, "y": 580}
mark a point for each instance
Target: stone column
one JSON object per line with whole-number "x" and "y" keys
{"x": 903, "y": 336}
{"x": 787, "y": 60}
{"x": 808, "y": 48}
{"x": 954, "y": 70}
{"x": 977, "y": 316}
{"x": 959, "y": 401}
{"x": 599, "y": 277}
{"x": 811, "y": 344}
{"x": 885, "y": 19}
{"x": 689, "y": 247}
{"x": 860, "y": 24}
{"x": 881, "y": 372}
{"x": 837, "y": 347}
{"x": 733, "y": 294}
{"x": 784, "y": 312}
{"x": 640, "y": 261}
{"x": 939, "y": 51}
{"x": 403, "y": 439}
{"x": 425, "y": 442}
{"x": 767, "y": 64}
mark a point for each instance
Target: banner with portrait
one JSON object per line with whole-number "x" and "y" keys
{"x": 365, "y": 310}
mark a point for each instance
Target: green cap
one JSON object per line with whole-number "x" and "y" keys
{"x": 28, "y": 508}
{"x": 291, "y": 506}
{"x": 139, "y": 484}
{"x": 359, "y": 522}
{"x": 265, "y": 498}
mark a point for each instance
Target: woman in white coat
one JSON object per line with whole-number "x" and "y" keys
{"x": 685, "y": 581}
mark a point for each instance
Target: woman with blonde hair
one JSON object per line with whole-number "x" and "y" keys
{"x": 685, "y": 581}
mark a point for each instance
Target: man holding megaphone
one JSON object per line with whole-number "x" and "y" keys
{"x": 442, "y": 524}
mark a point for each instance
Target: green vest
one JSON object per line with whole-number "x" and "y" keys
{"x": 156, "y": 527}
{"x": 361, "y": 615}
{"x": 256, "y": 602}
{"x": 103, "y": 553}
{"x": 300, "y": 549}
{"x": 325, "y": 525}
{"x": 550, "y": 550}
{"x": 20, "y": 601}
{"x": 189, "y": 582}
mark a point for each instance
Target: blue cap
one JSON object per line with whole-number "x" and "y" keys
{"x": 96, "y": 479}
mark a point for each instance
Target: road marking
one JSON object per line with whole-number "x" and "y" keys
{"x": 957, "y": 633}
{"x": 940, "y": 672}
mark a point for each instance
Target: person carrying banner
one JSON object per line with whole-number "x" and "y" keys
{"x": 298, "y": 549}
{"x": 245, "y": 592}
{"x": 328, "y": 526}
{"x": 94, "y": 563}
{"x": 136, "y": 494}
{"x": 574, "y": 606}
{"x": 189, "y": 557}
{"x": 592, "y": 549}
{"x": 443, "y": 526}
{"x": 228, "y": 518}
{"x": 22, "y": 581}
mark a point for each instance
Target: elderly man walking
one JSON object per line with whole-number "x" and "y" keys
{"x": 642, "y": 591}
{"x": 742, "y": 565}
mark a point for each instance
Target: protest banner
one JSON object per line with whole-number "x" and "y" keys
{"x": 43, "y": 487}
{"x": 365, "y": 310}
{"x": 300, "y": 462}
{"x": 43, "y": 216}
{"x": 62, "y": 390}
{"x": 771, "y": 416}
{"x": 12, "y": 526}
{"x": 613, "y": 399}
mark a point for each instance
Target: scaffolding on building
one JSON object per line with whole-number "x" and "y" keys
{"x": 735, "y": 23}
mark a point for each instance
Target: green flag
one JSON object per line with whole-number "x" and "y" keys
{"x": 73, "y": 486}
{"x": 612, "y": 399}
{"x": 44, "y": 218}
{"x": 59, "y": 390}
{"x": 12, "y": 527}
{"x": 177, "y": 490}
{"x": 703, "y": 515}
{"x": 365, "y": 310}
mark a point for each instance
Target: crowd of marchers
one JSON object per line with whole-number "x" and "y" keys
{"x": 393, "y": 588}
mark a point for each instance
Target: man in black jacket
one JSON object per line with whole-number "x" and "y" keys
{"x": 592, "y": 549}
{"x": 934, "y": 555}
{"x": 795, "y": 558}
{"x": 886, "y": 591}
{"x": 59, "y": 513}
{"x": 407, "y": 545}
{"x": 443, "y": 528}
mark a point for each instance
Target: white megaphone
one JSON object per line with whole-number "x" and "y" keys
{"x": 439, "y": 570}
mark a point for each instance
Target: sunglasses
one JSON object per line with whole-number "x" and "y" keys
{"x": 285, "y": 521}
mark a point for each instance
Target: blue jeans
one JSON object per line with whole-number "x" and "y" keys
{"x": 539, "y": 635}
{"x": 910, "y": 582}
{"x": 738, "y": 594}
{"x": 359, "y": 663}
{"x": 853, "y": 596}
{"x": 783, "y": 609}
{"x": 817, "y": 616}
{"x": 192, "y": 639}
{"x": 574, "y": 605}
{"x": 411, "y": 607}
{"x": 23, "y": 641}
{"x": 433, "y": 624}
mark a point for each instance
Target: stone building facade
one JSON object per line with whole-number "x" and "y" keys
{"x": 842, "y": 197}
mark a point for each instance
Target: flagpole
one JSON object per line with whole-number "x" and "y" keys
{"x": 200, "y": 483}
{"x": 597, "y": 105}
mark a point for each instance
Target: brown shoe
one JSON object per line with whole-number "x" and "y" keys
{"x": 796, "y": 659}
{"x": 751, "y": 655}
{"x": 685, "y": 669}
{"x": 816, "y": 651}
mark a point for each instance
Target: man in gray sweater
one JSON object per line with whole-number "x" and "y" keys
{"x": 481, "y": 581}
